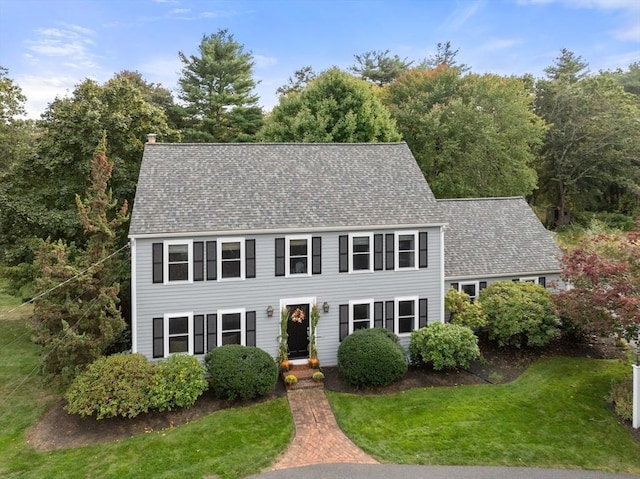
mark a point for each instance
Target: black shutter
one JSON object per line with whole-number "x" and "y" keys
{"x": 250, "y": 258}
{"x": 390, "y": 239}
{"x": 280, "y": 257}
{"x": 378, "y": 252}
{"x": 422, "y": 260}
{"x": 158, "y": 337}
{"x": 389, "y": 315}
{"x": 212, "y": 327}
{"x": 198, "y": 334}
{"x": 482, "y": 285}
{"x": 198, "y": 261}
{"x": 250, "y": 328}
{"x": 378, "y": 314}
{"x": 316, "y": 255}
{"x": 516, "y": 280}
{"x": 542, "y": 281}
{"x": 212, "y": 261}
{"x": 422, "y": 315}
{"x": 344, "y": 321}
{"x": 455, "y": 286}
{"x": 158, "y": 266}
{"x": 343, "y": 253}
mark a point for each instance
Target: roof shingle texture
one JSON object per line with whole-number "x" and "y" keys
{"x": 191, "y": 188}
{"x": 492, "y": 236}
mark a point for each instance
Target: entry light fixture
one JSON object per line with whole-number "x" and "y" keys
{"x": 270, "y": 311}
{"x": 325, "y": 307}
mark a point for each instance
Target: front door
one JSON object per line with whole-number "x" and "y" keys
{"x": 298, "y": 330}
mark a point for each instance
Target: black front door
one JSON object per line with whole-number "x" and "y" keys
{"x": 298, "y": 330}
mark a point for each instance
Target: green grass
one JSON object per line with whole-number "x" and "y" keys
{"x": 231, "y": 443}
{"x": 554, "y": 415}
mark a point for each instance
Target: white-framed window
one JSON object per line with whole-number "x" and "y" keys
{"x": 530, "y": 279}
{"x": 230, "y": 259}
{"x": 231, "y": 326}
{"x": 360, "y": 252}
{"x": 298, "y": 255}
{"x": 360, "y": 314}
{"x": 406, "y": 250}
{"x": 179, "y": 333}
{"x": 406, "y": 314}
{"x": 472, "y": 288}
{"x": 178, "y": 263}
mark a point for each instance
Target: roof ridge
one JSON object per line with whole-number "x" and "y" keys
{"x": 386, "y": 143}
{"x": 486, "y": 198}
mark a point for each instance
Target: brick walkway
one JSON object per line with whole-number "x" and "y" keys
{"x": 318, "y": 439}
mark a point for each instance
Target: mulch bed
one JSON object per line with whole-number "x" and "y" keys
{"x": 59, "y": 430}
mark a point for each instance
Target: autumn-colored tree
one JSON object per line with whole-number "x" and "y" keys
{"x": 604, "y": 298}
{"x": 78, "y": 317}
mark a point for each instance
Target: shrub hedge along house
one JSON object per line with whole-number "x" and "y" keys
{"x": 224, "y": 236}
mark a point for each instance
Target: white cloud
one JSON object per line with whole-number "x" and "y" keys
{"x": 71, "y": 41}
{"x": 162, "y": 69}
{"x": 42, "y": 90}
{"x": 601, "y": 4}
{"x": 499, "y": 44}
{"x": 461, "y": 14}
{"x": 628, "y": 33}
{"x": 263, "y": 61}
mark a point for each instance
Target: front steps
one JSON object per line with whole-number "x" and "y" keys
{"x": 304, "y": 374}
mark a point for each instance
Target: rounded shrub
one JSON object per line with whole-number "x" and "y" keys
{"x": 445, "y": 346}
{"x": 241, "y": 372}
{"x": 117, "y": 385}
{"x": 519, "y": 313}
{"x": 371, "y": 357}
{"x": 178, "y": 382}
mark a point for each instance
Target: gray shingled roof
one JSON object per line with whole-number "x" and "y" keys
{"x": 493, "y": 236}
{"x": 191, "y": 188}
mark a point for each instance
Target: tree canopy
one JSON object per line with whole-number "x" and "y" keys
{"x": 216, "y": 87}
{"x": 334, "y": 107}
{"x": 472, "y": 135}
{"x": 379, "y": 67}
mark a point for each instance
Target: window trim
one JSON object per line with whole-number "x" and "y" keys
{"x": 466, "y": 283}
{"x": 396, "y": 311}
{"x": 219, "y": 247}
{"x": 530, "y": 279}
{"x": 355, "y": 302}
{"x": 243, "y": 325}
{"x": 350, "y": 252}
{"x": 167, "y": 318}
{"x": 165, "y": 261}
{"x": 416, "y": 250}
{"x": 287, "y": 256}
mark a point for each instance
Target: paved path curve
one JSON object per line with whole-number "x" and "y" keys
{"x": 318, "y": 439}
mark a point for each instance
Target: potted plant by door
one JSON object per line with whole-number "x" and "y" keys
{"x": 290, "y": 380}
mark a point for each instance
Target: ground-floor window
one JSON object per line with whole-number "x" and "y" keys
{"x": 361, "y": 314}
{"x": 406, "y": 315}
{"x": 179, "y": 327}
{"x": 231, "y": 327}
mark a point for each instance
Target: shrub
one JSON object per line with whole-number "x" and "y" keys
{"x": 178, "y": 382}
{"x": 241, "y": 372}
{"x": 445, "y": 346}
{"x": 371, "y": 357}
{"x": 621, "y": 396}
{"x": 118, "y": 385}
{"x": 519, "y": 313}
{"x": 463, "y": 311}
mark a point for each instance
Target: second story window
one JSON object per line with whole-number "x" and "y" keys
{"x": 231, "y": 258}
{"x": 406, "y": 251}
{"x": 361, "y": 252}
{"x": 297, "y": 252}
{"x": 178, "y": 258}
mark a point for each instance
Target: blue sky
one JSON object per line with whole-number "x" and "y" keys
{"x": 51, "y": 45}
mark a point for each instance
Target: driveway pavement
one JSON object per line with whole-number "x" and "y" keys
{"x": 392, "y": 471}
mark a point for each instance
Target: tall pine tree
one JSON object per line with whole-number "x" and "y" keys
{"x": 217, "y": 89}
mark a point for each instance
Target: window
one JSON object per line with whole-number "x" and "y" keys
{"x": 297, "y": 255}
{"x": 406, "y": 315}
{"x": 531, "y": 279}
{"x": 361, "y": 314}
{"x": 231, "y": 327}
{"x": 179, "y": 328}
{"x": 406, "y": 257}
{"x": 360, "y": 252}
{"x": 231, "y": 258}
{"x": 471, "y": 288}
{"x": 177, "y": 266}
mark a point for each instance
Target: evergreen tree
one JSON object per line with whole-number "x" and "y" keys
{"x": 217, "y": 89}
{"x": 78, "y": 320}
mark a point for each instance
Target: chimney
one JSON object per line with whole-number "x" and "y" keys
{"x": 151, "y": 138}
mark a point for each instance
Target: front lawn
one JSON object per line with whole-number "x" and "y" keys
{"x": 232, "y": 443}
{"x": 554, "y": 415}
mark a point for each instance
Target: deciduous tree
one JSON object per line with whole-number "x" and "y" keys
{"x": 335, "y": 107}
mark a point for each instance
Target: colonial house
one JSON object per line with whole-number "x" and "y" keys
{"x": 224, "y": 236}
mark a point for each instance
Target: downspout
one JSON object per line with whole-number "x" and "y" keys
{"x": 134, "y": 302}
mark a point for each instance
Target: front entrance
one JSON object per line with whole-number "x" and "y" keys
{"x": 298, "y": 330}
